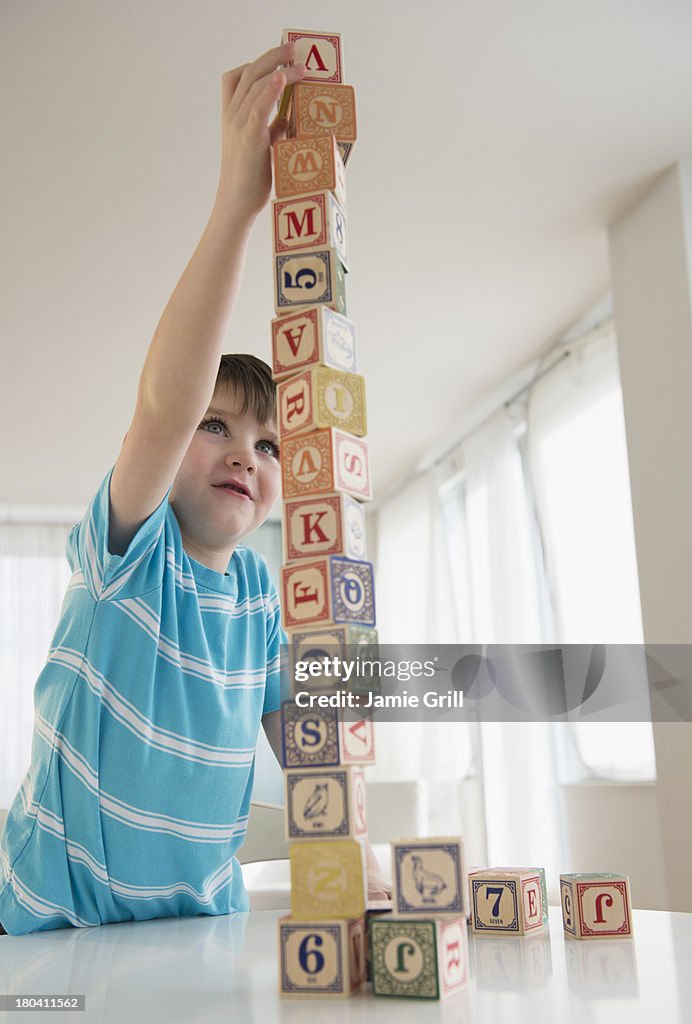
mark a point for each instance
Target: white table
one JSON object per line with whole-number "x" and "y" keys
{"x": 209, "y": 969}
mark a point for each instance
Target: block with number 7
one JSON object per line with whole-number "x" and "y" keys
{"x": 505, "y": 902}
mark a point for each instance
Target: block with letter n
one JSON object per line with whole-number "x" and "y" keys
{"x": 422, "y": 958}
{"x": 505, "y": 901}
{"x": 596, "y": 906}
{"x": 429, "y": 876}
{"x": 321, "y": 958}
{"x": 314, "y": 334}
{"x": 325, "y": 460}
{"x": 329, "y": 590}
{"x": 309, "y": 277}
{"x": 315, "y": 221}
{"x": 324, "y": 109}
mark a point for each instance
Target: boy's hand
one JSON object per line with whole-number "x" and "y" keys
{"x": 249, "y": 94}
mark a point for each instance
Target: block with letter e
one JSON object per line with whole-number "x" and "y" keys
{"x": 328, "y": 879}
{"x": 325, "y": 460}
{"x": 321, "y": 958}
{"x": 312, "y": 335}
{"x": 326, "y": 591}
{"x": 505, "y": 901}
{"x": 314, "y": 221}
{"x": 317, "y": 737}
{"x": 422, "y": 958}
{"x": 596, "y": 906}
{"x": 303, "y": 166}
{"x": 429, "y": 876}
{"x": 324, "y": 109}
{"x": 325, "y": 803}
{"x": 330, "y": 524}
{"x": 321, "y": 397}
{"x": 307, "y": 278}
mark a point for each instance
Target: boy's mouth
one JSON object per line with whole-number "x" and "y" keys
{"x": 235, "y": 487}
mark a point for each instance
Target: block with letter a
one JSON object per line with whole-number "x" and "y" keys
{"x": 321, "y": 397}
{"x": 596, "y": 906}
{"x": 326, "y": 460}
{"x": 324, "y": 110}
{"x": 425, "y": 958}
{"x": 310, "y": 277}
{"x": 314, "y": 334}
{"x": 315, "y": 221}
{"x": 333, "y": 524}
{"x": 303, "y": 166}
{"x": 321, "y": 958}
{"x": 325, "y": 591}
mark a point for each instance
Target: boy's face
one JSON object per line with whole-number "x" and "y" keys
{"x": 227, "y": 482}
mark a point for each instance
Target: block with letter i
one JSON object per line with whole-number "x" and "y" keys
{"x": 505, "y": 901}
{"x": 314, "y": 334}
{"x": 303, "y": 166}
{"x": 422, "y": 958}
{"x": 321, "y": 958}
{"x": 429, "y": 876}
{"x": 321, "y": 397}
{"x": 314, "y": 221}
{"x": 325, "y": 803}
{"x": 317, "y": 737}
{"x": 596, "y": 906}
{"x": 325, "y": 460}
{"x": 328, "y": 879}
{"x": 324, "y": 591}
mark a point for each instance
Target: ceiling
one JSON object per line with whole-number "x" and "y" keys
{"x": 497, "y": 141}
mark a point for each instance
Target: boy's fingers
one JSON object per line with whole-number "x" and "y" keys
{"x": 229, "y": 84}
{"x": 267, "y": 91}
{"x": 264, "y": 65}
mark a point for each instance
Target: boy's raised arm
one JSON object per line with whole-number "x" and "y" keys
{"x": 177, "y": 381}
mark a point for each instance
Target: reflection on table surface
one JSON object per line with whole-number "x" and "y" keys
{"x": 208, "y": 969}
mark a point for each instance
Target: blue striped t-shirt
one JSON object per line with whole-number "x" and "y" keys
{"x": 146, "y": 719}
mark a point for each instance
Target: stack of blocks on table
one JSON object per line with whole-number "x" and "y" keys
{"x": 327, "y": 587}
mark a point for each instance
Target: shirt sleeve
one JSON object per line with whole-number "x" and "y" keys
{"x": 106, "y": 575}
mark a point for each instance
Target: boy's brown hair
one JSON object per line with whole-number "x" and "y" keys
{"x": 252, "y": 378}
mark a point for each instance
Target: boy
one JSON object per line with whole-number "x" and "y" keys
{"x": 166, "y": 654}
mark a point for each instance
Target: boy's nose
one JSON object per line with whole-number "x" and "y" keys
{"x": 244, "y": 460}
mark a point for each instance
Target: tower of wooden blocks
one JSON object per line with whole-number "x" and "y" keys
{"x": 327, "y": 588}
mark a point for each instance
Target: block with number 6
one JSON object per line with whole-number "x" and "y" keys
{"x": 321, "y": 958}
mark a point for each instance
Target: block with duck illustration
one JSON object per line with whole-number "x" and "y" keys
{"x": 325, "y": 803}
{"x": 429, "y": 876}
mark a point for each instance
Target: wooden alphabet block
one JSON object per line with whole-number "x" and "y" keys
{"x": 596, "y": 906}
{"x": 325, "y": 803}
{"x": 315, "y": 221}
{"x": 320, "y": 737}
{"x": 429, "y": 876}
{"x": 326, "y": 460}
{"x": 321, "y": 397}
{"x": 320, "y": 52}
{"x": 423, "y": 958}
{"x": 328, "y": 879}
{"x": 311, "y": 646}
{"x": 345, "y": 150}
{"x": 305, "y": 278}
{"x": 544, "y": 887}
{"x": 303, "y": 166}
{"x": 321, "y": 958}
{"x": 505, "y": 901}
{"x": 314, "y": 334}
{"x": 321, "y": 109}
{"x": 332, "y": 524}
{"x": 327, "y": 591}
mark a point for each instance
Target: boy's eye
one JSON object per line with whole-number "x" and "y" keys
{"x": 270, "y": 447}
{"x": 213, "y": 426}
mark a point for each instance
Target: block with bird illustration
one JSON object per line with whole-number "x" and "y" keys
{"x": 312, "y": 335}
{"x": 429, "y": 876}
{"x": 505, "y": 901}
{"x": 328, "y": 879}
{"x": 321, "y": 397}
{"x": 321, "y": 958}
{"x": 325, "y": 803}
{"x": 323, "y": 461}
{"x": 322, "y": 737}
{"x": 422, "y": 958}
